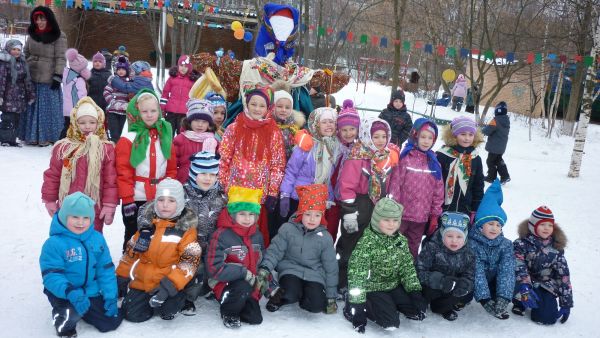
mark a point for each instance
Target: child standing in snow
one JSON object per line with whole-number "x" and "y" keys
{"x": 381, "y": 275}
{"x": 98, "y": 80}
{"x": 416, "y": 183}
{"x": 364, "y": 180}
{"x": 497, "y": 132}
{"x": 494, "y": 256}
{"x": 145, "y": 156}
{"x": 198, "y": 135}
{"x": 83, "y": 161}
{"x": 77, "y": 270}
{"x": 161, "y": 258}
{"x": 446, "y": 266}
{"x": 74, "y": 84}
{"x": 398, "y": 118}
{"x": 459, "y": 92}
{"x": 117, "y": 101}
{"x": 462, "y": 169}
{"x": 176, "y": 92}
{"x": 234, "y": 255}
{"x": 542, "y": 270}
{"x": 304, "y": 256}
{"x": 219, "y": 113}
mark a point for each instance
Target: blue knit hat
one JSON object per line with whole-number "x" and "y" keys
{"x": 203, "y": 162}
{"x": 76, "y": 204}
{"x": 490, "y": 207}
{"x": 456, "y": 221}
{"x": 501, "y": 109}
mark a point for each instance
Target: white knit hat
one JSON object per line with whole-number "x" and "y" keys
{"x": 282, "y": 94}
{"x": 172, "y": 188}
{"x": 87, "y": 109}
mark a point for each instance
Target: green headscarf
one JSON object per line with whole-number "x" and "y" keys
{"x": 142, "y": 137}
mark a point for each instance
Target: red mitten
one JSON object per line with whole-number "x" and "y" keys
{"x": 303, "y": 140}
{"x": 433, "y": 223}
{"x": 51, "y": 207}
{"x": 107, "y": 214}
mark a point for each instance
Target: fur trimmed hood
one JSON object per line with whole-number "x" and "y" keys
{"x": 560, "y": 238}
{"x": 187, "y": 220}
{"x": 192, "y": 75}
{"x": 299, "y": 118}
{"x": 49, "y": 36}
{"x": 451, "y": 141}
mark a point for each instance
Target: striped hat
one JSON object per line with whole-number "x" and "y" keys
{"x": 540, "y": 215}
{"x": 200, "y": 110}
{"x": 244, "y": 199}
{"x": 348, "y": 116}
{"x": 203, "y": 162}
{"x": 463, "y": 124}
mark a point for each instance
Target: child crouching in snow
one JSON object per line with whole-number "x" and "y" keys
{"x": 446, "y": 266}
{"x": 234, "y": 255}
{"x": 302, "y": 252}
{"x": 162, "y": 256}
{"x": 542, "y": 270}
{"x": 381, "y": 275}
{"x": 494, "y": 257}
{"x": 78, "y": 273}
{"x": 83, "y": 161}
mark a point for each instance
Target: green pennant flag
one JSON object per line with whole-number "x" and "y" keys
{"x": 94, "y": 4}
{"x": 321, "y": 31}
{"x": 137, "y": 4}
{"x": 201, "y": 8}
{"x": 538, "y": 58}
{"x": 58, "y": 3}
{"x": 364, "y": 38}
{"x": 30, "y": 2}
{"x": 588, "y": 61}
{"x": 451, "y": 52}
{"x": 406, "y": 45}
{"x": 489, "y": 54}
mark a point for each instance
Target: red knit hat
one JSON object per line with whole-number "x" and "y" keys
{"x": 312, "y": 197}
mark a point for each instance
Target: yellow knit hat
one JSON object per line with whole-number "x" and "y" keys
{"x": 244, "y": 199}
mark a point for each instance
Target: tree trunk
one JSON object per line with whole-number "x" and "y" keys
{"x": 399, "y": 9}
{"x": 556, "y": 101}
{"x": 306, "y": 34}
{"x": 574, "y": 101}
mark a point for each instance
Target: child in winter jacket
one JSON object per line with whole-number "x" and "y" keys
{"x": 16, "y": 88}
{"x": 459, "y": 92}
{"x": 304, "y": 256}
{"x": 117, "y": 101}
{"x": 253, "y": 153}
{"x": 219, "y": 113}
{"x": 446, "y": 266}
{"x": 161, "y": 258}
{"x": 77, "y": 270}
{"x": 398, "y": 118}
{"x": 542, "y": 270}
{"x": 176, "y": 92}
{"x": 98, "y": 80}
{"x": 363, "y": 181}
{"x": 74, "y": 84}
{"x": 462, "y": 169}
{"x": 381, "y": 276}
{"x": 416, "y": 183}
{"x": 145, "y": 156}
{"x": 198, "y": 135}
{"x": 497, "y": 132}
{"x": 314, "y": 166}
{"x": 494, "y": 257}
{"x": 83, "y": 161}
{"x": 234, "y": 255}
{"x": 142, "y": 79}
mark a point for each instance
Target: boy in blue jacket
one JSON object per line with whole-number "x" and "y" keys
{"x": 77, "y": 270}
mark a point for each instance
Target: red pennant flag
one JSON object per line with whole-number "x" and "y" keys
{"x": 374, "y": 40}
{"x": 530, "y": 58}
{"x": 441, "y": 50}
{"x": 186, "y": 4}
{"x": 311, "y": 27}
{"x": 578, "y": 58}
{"x": 500, "y": 53}
{"x": 349, "y": 36}
{"x": 160, "y": 4}
{"x": 418, "y": 44}
{"x": 123, "y": 4}
{"x": 396, "y": 42}
{"x": 47, "y": 2}
{"x": 475, "y": 51}
{"x": 329, "y": 30}
{"x": 562, "y": 58}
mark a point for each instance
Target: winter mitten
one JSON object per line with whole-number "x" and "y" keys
{"x": 56, "y": 81}
{"x": 165, "y": 289}
{"x": 143, "y": 241}
{"x": 129, "y": 209}
{"x": 351, "y": 222}
{"x": 433, "y": 223}
{"x": 448, "y": 284}
{"x": 262, "y": 280}
{"x": 529, "y": 298}
{"x": 250, "y": 278}
{"x": 51, "y": 207}
{"x": 110, "y": 305}
{"x": 331, "y": 306}
{"x": 564, "y": 312}
{"x": 79, "y": 300}
{"x": 122, "y": 285}
{"x": 358, "y": 314}
{"x": 420, "y": 303}
{"x": 329, "y": 204}
{"x": 270, "y": 203}
{"x": 284, "y": 206}
{"x": 303, "y": 140}
{"x": 107, "y": 214}
{"x": 461, "y": 289}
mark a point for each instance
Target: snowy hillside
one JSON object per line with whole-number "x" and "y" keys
{"x": 539, "y": 176}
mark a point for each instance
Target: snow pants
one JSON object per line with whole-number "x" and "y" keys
{"x": 237, "y": 301}
{"x": 310, "y": 295}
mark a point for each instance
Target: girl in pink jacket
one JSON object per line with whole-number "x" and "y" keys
{"x": 177, "y": 90}
{"x": 83, "y": 161}
{"x": 74, "y": 84}
{"x": 417, "y": 184}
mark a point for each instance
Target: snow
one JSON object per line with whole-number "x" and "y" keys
{"x": 539, "y": 176}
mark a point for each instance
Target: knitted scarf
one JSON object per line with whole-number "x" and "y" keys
{"x": 460, "y": 171}
{"x": 253, "y": 137}
{"x": 13, "y": 68}
{"x": 198, "y": 137}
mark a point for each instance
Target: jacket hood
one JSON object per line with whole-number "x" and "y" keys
{"x": 48, "y": 37}
{"x": 451, "y": 141}
{"x": 364, "y": 133}
{"x": 560, "y": 238}
{"x": 187, "y": 220}
{"x": 59, "y": 229}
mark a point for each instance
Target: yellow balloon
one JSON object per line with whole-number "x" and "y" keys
{"x": 170, "y": 20}
{"x": 239, "y": 33}
{"x": 236, "y": 25}
{"x": 449, "y": 75}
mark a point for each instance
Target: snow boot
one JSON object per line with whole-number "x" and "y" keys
{"x": 450, "y": 316}
{"x": 67, "y": 334}
{"x": 188, "y": 309}
{"x": 518, "y": 309}
{"x": 275, "y": 302}
{"x": 232, "y": 322}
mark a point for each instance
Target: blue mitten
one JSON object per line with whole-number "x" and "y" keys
{"x": 79, "y": 300}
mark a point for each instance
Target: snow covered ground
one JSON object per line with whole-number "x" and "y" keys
{"x": 538, "y": 170}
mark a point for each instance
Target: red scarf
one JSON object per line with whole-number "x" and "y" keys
{"x": 245, "y": 131}
{"x": 225, "y": 221}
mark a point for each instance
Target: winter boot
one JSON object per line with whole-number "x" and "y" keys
{"x": 518, "y": 309}
{"x": 67, "y": 334}
{"x": 450, "y": 316}
{"x": 459, "y": 306}
{"x": 167, "y": 317}
{"x": 188, "y": 309}
{"x": 232, "y": 322}
{"x": 275, "y": 301}
{"x": 504, "y": 180}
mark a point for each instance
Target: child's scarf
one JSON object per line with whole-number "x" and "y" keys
{"x": 330, "y": 144}
{"x": 460, "y": 170}
{"x": 199, "y": 137}
{"x": 249, "y": 131}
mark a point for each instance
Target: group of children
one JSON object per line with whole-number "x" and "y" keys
{"x": 255, "y": 212}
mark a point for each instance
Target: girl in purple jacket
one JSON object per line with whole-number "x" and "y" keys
{"x": 417, "y": 184}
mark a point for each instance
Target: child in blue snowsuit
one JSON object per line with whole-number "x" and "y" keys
{"x": 77, "y": 270}
{"x": 494, "y": 256}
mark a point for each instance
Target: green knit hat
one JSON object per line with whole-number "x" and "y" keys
{"x": 386, "y": 208}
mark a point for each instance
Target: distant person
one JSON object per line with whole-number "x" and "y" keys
{"x": 398, "y": 118}
{"x": 459, "y": 92}
{"x": 98, "y": 80}
{"x": 318, "y": 99}
{"x": 497, "y": 132}
{"x": 473, "y": 96}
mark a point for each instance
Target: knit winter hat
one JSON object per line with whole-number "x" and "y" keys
{"x": 122, "y": 63}
{"x": 244, "y": 199}
{"x": 12, "y": 43}
{"x": 386, "y": 208}
{"x": 348, "y": 116}
{"x": 490, "y": 208}
{"x": 170, "y": 188}
{"x": 421, "y": 124}
{"x": 200, "y": 110}
{"x": 312, "y": 197}
{"x": 265, "y": 92}
{"x": 398, "y": 95}
{"x": 282, "y": 94}
{"x": 140, "y": 66}
{"x": 454, "y": 221}
{"x": 87, "y": 109}
{"x": 216, "y": 99}
{"x": 76, "y": 204}
{"x": 184, "y": 60}
{"x": 501, "y": 109}
{"x": 463, "y": 124}
{"x": 77, "y": 62}
{"x": 203, "y": 162}
{"x": 378, "y": 125}
{"x": 99, "y": 57}
{"x": 539, "y": 215}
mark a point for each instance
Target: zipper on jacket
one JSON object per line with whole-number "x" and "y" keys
{"x": 87, "y": 264}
